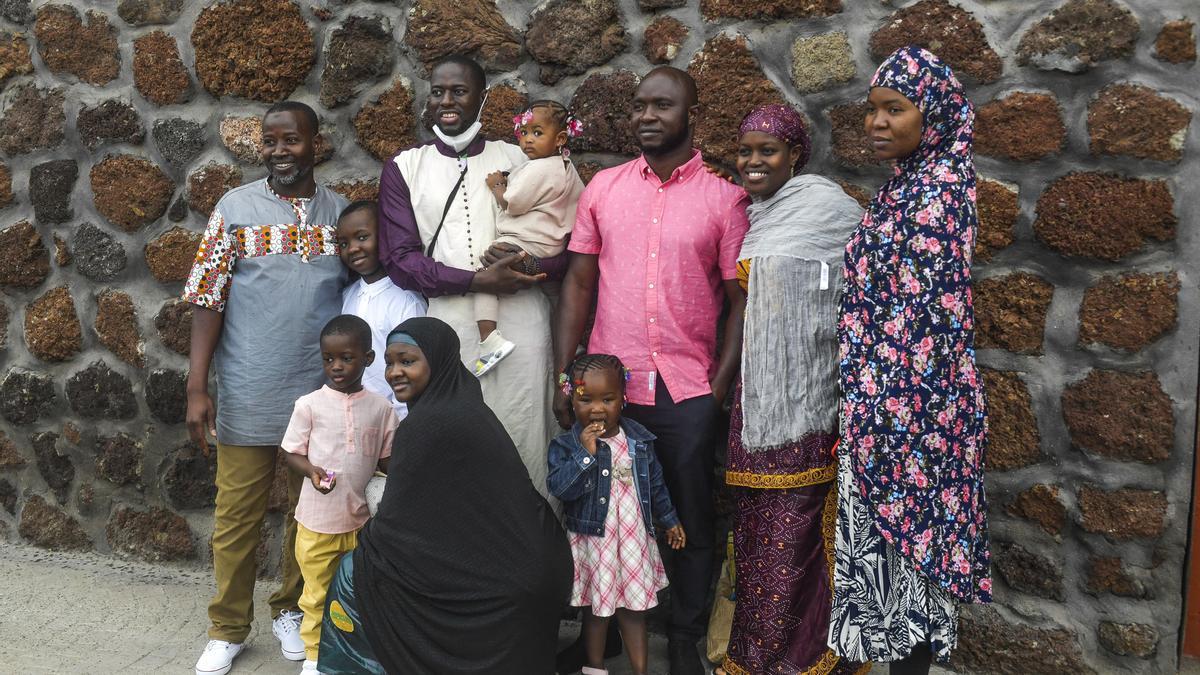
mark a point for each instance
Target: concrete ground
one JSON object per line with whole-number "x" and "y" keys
{"x": 88, "y": 613}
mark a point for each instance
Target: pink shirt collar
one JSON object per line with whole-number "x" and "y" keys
{"x": 681, "y": 173}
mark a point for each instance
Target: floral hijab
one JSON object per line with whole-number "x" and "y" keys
{"x": 914, "y": 415}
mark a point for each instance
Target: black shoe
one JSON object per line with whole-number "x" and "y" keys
{"x": 571, "y": 659}
{"x": 684, "y": 658}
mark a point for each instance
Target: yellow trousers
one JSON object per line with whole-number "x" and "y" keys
{"x": 318, "y": 555}
{"x": 244, "y": 476}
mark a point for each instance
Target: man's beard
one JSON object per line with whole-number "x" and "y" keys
{"x": 290, "y": 179}
{"x": 669, "y": 143}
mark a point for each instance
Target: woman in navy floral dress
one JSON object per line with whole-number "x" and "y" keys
{"x": 912, "y": 529}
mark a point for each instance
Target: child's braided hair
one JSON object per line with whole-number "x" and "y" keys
{"x": 573, "y": 377}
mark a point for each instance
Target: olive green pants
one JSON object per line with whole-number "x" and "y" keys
{"x": 244, "y": 477}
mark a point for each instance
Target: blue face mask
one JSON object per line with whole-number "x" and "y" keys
{"x": 461, "y": 141}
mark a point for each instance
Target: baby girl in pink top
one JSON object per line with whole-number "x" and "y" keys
{"x": 338, "y": 436}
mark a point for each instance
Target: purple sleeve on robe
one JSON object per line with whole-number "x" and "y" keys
{"x": 400, "y": 248}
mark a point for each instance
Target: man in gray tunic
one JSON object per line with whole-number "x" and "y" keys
{"x": 267, "y": 278}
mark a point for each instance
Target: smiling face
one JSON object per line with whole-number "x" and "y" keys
{"x": 406, "y": 371}
{"x": 893, "y": 124}
{"x": 455, "y": 96}
{"x": 287, "y": 149}
{"x": 358, "y": 244}
{"x": 599, "y": 399}
{"x": 661, "y": 114}
{"x": 345, "y": 360}
{"x": 765, "y": 163}
{"x": 542, "y": 136}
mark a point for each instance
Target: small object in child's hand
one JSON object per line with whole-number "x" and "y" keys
{"x": 327, "y": 481}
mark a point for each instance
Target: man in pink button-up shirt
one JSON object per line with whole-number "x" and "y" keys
{"x": 660, "y": 235}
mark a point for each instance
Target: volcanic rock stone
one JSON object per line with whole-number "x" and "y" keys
{"x": 171, "y": 255}
{"x": 1020, "y": 127}
{"x": 24, "y": 260}
{"x": 174, "y": 325}
{"x": 1105, "y": 216}
{"x": 51, "y": 185}
{"x": 505, "y": 101}
{"x": 190, "y": 480}
{"x": 1120, "y": 415}
{"x": 1110, "y": 575}
{"x": 1129, "y": 312}
{"x": 354, "y": 190}
{"x": 1041, "y": 504}
{"x": 242, "y": 137}
{"x": 6, "y": 191}
{"x": 10, "y": 457}
{"x": 158, "y": 71}
{"x": 602, "y": 103}
{"x": 988, "y": 643}
{"x": 862, "y": 195}
{"x": 568, "y": 37}
{"x": 1176, "y": 42}
{"x": 1028, "y": 572}
{"x": 166, "y": 395}
{"x": 148, "y": 12}
{"x": 130, "y": 191}
{"x": 179, "y": 141}
{"x": 358, "y": 52}
{"x": 112, "y": 121}
{"x": 1078, "y": 35}
{"x": 206, "y": 186}
{"x": 69, "y": 45}
{"x": 98, "y": 392}
{"x": 8, "y": 497}
{"x": 998, "y": 206}
{"x": 713, "y": 10}
{"x": 256, "y": 49}
{"x": 588, "y": 170}
{"x": 85, "y": 499}
{"x": 62, "y": 254}
{"x": 822, "y": 61}
{"x": 1010, "y": 312}
{"x": 48, "y": 527}
{"x": 475, "y": 28}
{"x": 1013, "y": 438}
{"x": 16, "y": 11}
{"x": 3, "y": 325}
{"x": 101, "y": 256}
{"x": 731, "y": 84}
{"x": 652, "y": 5}
{"x": 119, "y": 459}
{"x": 116, "y": 325}
{"x": 56, "y": 468}
{"x": 153, "y": 535}
{"x": 850, "y": 145}
{"x": 52, "y": 331}
{"x": 386, "y": 125}
{"x": 1128, "y": 639}
{"x": 178, "y": 212}
{"x": 277, "y": 500}
{"x": 71, "y": 433}
{"x": 1132, "y": 120}
{"x": 944, "y": 29}
{"x": 663, "y": 38}
{"x": 1122, "y": 514}
{"x": 14, "y": 56}
{"x": 24, "y": 397}
{"x": 34, "y": 120}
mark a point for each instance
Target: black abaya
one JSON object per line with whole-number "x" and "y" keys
{"x": 464, "y": 569}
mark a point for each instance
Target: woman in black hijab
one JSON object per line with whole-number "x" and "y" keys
{"x": 464, "y": 569}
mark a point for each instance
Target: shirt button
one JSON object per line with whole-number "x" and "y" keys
{"x": 655, "y": 220}
{"x": 603, "y": 500}
{"x": 587, "y": 460}
{"x": 604, "y": 472}
{"x": 651, "y": 319}
{"x": 651, "y": 285}
{"x": 653, "y": 353}
{"x": 653, "y": 254}
{"x": 660, "y": 189}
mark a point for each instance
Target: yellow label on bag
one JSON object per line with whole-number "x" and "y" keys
{"x": 339, "y": 617}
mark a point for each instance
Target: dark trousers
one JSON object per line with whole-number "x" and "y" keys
{"x": 685, "y": 445}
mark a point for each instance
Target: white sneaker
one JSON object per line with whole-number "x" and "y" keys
{"x": 310, "y": 666}
{"x": 491, "y": 352}
{"x": 218, "y": 657}
{"x": 286, "y": 628}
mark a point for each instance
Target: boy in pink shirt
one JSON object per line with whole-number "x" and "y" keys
{"x": 338, "y": 436}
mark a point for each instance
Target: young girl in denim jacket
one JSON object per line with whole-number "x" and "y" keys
{"x": 611, "y": 484}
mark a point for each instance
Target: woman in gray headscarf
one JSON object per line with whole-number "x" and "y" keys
{"x": 784, "y": 423}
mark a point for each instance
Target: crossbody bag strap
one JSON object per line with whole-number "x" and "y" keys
{"x": 446, "y": 210}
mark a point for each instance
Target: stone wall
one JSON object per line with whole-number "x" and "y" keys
{"x": 122, "y": 122}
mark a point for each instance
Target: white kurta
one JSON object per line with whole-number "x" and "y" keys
{"x": 520, "y": 389}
